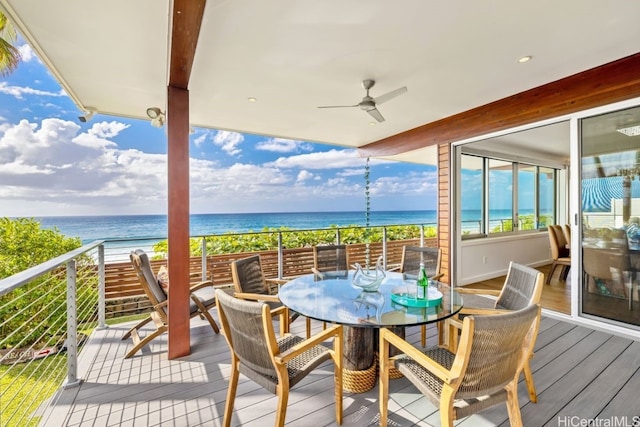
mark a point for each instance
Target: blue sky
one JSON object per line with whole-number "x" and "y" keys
{"x": 52, "y": 164}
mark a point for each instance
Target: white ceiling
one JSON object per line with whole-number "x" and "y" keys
{"x": 296, "y": 55}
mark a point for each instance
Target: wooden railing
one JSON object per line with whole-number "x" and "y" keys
{"x": 122, "y": 282}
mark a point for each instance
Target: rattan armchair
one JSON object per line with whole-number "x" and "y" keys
{"x": 249, "y": 283}
{"x": 412, "y": 256}
{"x": 493, "y": 351}
{"x": 275, "y": 363}
{"x": 522, "y": 288}
{"x": 202, "y": 300}
{"x": 330, "y": 261}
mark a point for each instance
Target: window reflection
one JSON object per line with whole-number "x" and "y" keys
{"x": 610, "y": 185}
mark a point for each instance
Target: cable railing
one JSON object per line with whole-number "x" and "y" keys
{"x": 48, "y": 311}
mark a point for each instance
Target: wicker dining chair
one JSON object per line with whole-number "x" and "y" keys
{"x": 202, "y": 300}
{"x": 249, "y": 283}
{"x": 482, "y": 373}
{"x": 330, "y": 261}
{"x": 412, "y": 256}
{"x": 522, "y": 288}
{"x": 275, "y": 363}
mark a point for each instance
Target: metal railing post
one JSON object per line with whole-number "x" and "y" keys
{"x": 421, "y": 235}
{"x": 204, "y": 258}
{"x": 280, "y": 257}
{"x": 384, "y": 247}
{"x": 72, "y": 326}
{"x": 338, "y": 237}
{"x": 101, "y": 289}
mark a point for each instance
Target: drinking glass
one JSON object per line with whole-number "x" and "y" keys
{"x": 412, "y": 288}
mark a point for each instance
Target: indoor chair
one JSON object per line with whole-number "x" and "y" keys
{"x": 483, "y": 372}
{"x": 560, "y": 254}
{"x": 202, "y": 300}
{"x": 275, "y": 363}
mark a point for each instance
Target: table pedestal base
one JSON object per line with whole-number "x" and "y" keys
{"x": 360, "y": 370}
{"x": 360, "y": 381}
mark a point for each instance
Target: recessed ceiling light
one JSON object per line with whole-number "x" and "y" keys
{"x": 251, "y": 99}
{"x": 525, "y": 59}
{"x": 630, "y": 131}
{"x": 372, "y": 123}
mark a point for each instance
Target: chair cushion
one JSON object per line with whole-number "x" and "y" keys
{"x": 206, "y": 296}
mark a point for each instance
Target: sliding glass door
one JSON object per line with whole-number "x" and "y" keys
{"x": 610, "y": 207}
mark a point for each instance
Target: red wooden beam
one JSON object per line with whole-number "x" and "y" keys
{"x": 187, "y": 19}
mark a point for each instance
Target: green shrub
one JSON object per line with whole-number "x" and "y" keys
{"x": 267, "y": 239}
{"x": 38, "y": 309}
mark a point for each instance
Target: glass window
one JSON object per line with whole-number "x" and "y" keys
{"x": 500, "y": 196}
{"x": 472, "y": 195}
{"x": 496, "y": 194}
{"x": 546, "y": 197}
{"x": 527, "y": 198}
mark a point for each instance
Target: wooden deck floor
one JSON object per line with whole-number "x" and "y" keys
{"x": 578, "y": 372}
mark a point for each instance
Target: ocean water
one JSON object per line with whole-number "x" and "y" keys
{"x": 154, "y": 227}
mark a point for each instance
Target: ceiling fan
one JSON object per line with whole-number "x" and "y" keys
{"x": 369, "y": 103}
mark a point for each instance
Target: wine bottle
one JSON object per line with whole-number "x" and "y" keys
{"x": 423, "y": 283}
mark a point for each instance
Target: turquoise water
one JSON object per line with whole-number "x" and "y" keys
{"x": 89, "y": 228}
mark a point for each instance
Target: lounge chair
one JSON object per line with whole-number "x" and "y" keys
{"x": 202, "y": 300}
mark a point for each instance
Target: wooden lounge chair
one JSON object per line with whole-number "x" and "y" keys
{"x": 275, "y": 363}
{"x": 522, "y": 288}
{"x": 482, "y": 373}
{"x": 412, "y": 256}
{"x": 202, "y": 300}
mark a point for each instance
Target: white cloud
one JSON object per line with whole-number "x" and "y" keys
{"x": 198, "y": 141}
{"x": 107, "y": 129}
{"x": 56, "y": 168}
{"x": 352, "y": 172}
{"x": 56, "y": 164}
{"x": 19, "y": 91}
{"x": 26, "y": 53}
{"x": 304, "y": 175}
{"x": 332, "y": 159}
{"x": 228, "y": 141}
{"x": 281, "y": 145}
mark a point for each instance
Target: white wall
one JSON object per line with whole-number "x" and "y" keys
{"x": 486, "y": 258}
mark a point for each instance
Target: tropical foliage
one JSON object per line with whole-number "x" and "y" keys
{"x": 267, "y": 239}
{"x": 9, "y": 54}
{"x": 41, "y": 303}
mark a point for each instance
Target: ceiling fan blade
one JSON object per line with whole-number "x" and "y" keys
{"x": 376, "y": 114}
{"x": 338, "y": 106}
{"x": 390, "y": 95}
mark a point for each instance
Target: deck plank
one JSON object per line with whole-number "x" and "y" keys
{"x": 576, "y": 370}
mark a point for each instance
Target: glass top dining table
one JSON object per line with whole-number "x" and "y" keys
{"x": 337, "y": 300}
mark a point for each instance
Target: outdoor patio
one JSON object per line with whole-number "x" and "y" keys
{"x": 579, "y": 372}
